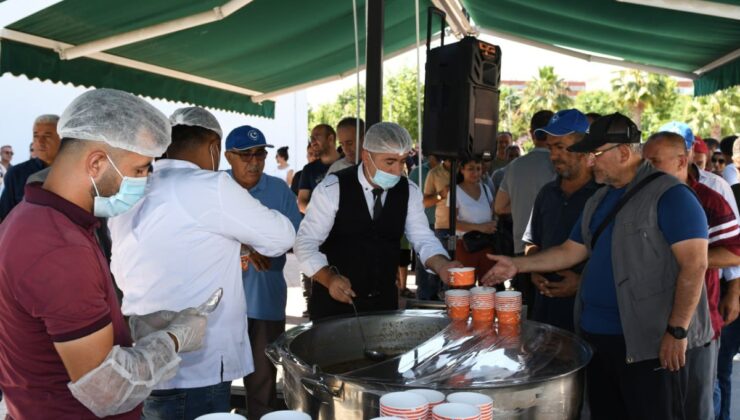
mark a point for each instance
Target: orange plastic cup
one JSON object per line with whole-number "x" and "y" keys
{"x": 458, "y": 313}
{"x": 483, "y": 315}
{"x": 509, "y": 317}
{"x": 464, "y": 276}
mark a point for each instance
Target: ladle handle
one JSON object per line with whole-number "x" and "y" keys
{"x": 320, "y": 389}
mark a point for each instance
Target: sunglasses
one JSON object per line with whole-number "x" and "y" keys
{"x": 247, "y": 156}
{"x": 715, "y": 160}
{"x": 8, "y": 152}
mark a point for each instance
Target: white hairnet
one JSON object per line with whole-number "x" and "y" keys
{"x": 197, "y": 116}
{"x": 122, "y": 120}
{"x": 386, "y": 137}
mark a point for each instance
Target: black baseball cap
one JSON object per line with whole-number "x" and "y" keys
{"x": 612, "y": 128}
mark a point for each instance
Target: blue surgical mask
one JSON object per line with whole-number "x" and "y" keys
{"x": 131, "y": 191}
{"x": 383, "y": 179}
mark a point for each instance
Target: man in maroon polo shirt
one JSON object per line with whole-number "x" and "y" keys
{"x": 65, "y": 349}
{"x": 667, "y": 152}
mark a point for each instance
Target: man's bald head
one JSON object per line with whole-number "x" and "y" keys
{"x": 667, "y": 152}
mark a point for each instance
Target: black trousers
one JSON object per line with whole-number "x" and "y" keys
{"x": 635, "y": 391}
{"x": 261, "y": 384}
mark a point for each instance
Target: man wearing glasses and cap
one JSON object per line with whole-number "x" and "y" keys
{"x": 349, "y": 241}
{"x": 179, "y": 244}
{"x": 264, "y": 284}
{"x": 641, "y": 303}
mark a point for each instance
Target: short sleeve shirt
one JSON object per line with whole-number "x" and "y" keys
{"x": 55, "y": 286}
{"x": 600, "y": 313}
{"x": 436, "y": 182}
{"x": 266, "y": 291}
{"x": 312, "y": 175}
{"x": 723, "y": 232}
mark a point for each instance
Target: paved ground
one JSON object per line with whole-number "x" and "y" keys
{"x": 296, "y": 306}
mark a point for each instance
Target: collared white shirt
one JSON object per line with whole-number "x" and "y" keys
{"x": 718, "y": 184}
{"x": 179, "y": 244}
{"x": 322, "y": 211}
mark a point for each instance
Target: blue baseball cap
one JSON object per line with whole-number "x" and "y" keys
{"x": 565, "y": 122}
{"x": 244, "y": 138}
{"x": 682, "y": 129}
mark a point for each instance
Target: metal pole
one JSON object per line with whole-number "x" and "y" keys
{"x": 452, "y": 194}
{"x": 374, "y": 69}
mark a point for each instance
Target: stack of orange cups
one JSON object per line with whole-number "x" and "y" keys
{"x": 482, "y": 301}
{"x": 509, "y": 307}
{"x": 458, "y": 304}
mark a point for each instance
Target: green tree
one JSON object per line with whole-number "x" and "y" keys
{"x": 343, "y": 106}
{"x": 647, "y": 96}
{"x": 399, "y": 100}
{"x": 716, "y": 115}
{"x": 599, "y": 101}
{"x": 546, "y": 91}
{"x": 511, "y": 115}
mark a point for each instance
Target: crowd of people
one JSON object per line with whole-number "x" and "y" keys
{"x": 122, "y": 225}
{"x": 124, "y": 214}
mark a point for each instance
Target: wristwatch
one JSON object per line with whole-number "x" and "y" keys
{"x": 679, "y": 333}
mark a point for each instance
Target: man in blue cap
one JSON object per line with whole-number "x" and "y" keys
{"x": 264, "y": 283}
{"x": 555, "y": 212}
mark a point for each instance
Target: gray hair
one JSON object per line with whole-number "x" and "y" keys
{"x": 46, "y": 119}
{"x": 635, "y": 148}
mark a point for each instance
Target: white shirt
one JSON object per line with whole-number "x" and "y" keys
{"x": 282, "y": 173}
{"x": 179, "y": 244}
{"x": 322, "y": 211}
{"x": 718, "y": 184}
{"x": 471, "y": 210}
{"x": 339, "y": 165}
{"x": 730, "y": 173}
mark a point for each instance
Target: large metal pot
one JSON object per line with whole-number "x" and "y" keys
{"x": 534, "y": 371}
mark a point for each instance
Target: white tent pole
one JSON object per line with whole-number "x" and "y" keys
{"x": 699, "y": 7}
{"x": 125, "y": 62}
{"x": 164, "y": 28}
{"x": 357, "y": 84}
{"x": 718, "y": 62}
{"x": 589, "y": 57}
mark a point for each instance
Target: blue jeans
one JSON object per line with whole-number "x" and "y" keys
{"x": 728, "y": 348}
{"x": 187, "y": 403}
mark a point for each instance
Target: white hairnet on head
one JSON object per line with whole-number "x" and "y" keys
{"x": 122, "y": 120}
{"x": 197, "y": 116}
{"x": 387, "y": 137}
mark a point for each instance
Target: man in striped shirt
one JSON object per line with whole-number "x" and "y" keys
{"x": 667, "y": 152}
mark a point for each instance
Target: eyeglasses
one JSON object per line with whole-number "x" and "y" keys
{"x": 716, "y": 160}
{"x": 594, "y": 155}
{"x": 10, "y": 152}
{"x": 246, "y": 157}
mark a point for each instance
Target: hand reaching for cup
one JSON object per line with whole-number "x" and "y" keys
{"x": 503, "y": 270}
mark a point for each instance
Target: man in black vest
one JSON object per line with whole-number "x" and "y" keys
{"x": 349, "y": 241}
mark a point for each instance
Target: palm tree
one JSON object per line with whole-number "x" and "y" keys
{"x": 636, "y": 91}
{"x": 546, "y": 91}
{"x": 715, "y": 115}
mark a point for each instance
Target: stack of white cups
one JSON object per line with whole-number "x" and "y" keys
{"x": 405, "y": 405}
{"x": 483, "y": 402}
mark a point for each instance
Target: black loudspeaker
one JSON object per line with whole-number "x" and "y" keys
{"x": 461, "y": 99}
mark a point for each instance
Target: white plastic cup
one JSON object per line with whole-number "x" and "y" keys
{"x": 433, "y": 397}
{"x": 483, "y": 402}
{"x": 456, "y": 411}
{"x": 221, "y": 416}
{"x": 403, "y": 401}
{"x": 286, "y": 415}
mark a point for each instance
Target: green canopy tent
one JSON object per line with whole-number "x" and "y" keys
{"x": 237, "y": 55}
{"x": 238, "y": 63}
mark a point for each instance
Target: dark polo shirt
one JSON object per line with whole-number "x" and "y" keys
{"x": 55, "y": 286}
{"x": 15, "y": 184}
